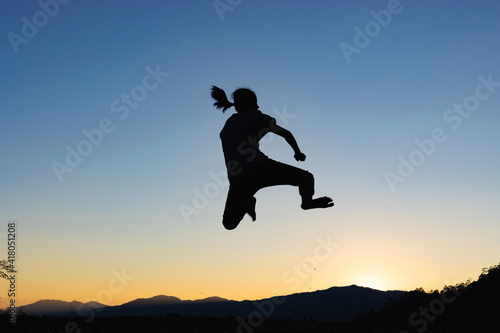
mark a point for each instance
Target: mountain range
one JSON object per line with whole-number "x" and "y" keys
{"x": 51, "y": 307}
{"x": 468, "y": 307}
{"x": 333, "y": 304}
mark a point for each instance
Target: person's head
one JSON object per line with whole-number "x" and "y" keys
{"x": 244, "y": 99}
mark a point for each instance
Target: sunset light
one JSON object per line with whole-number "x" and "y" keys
{"x": 139, "y": 141}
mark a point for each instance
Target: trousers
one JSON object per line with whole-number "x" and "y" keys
{"x": 272, "y": 174}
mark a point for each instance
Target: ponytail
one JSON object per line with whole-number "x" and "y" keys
{"x": 221, "y": 101}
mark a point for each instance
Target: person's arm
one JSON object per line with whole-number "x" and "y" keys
{"x": 290, "y": 139}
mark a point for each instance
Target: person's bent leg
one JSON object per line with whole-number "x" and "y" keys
{"x": 322, "y": 202}
{"x": 277, "y": 173}
{"x": 237, "y": 205}
{"x": 306, "y": 190}
{"x": 251, "y": 208}
{"x": 306, "y": 186}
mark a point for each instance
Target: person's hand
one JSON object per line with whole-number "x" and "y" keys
{"x": 300, "y": 157}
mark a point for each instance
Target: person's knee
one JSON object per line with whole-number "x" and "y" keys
{"x": 229, "y": 225}
{"x": 307, "y": 178}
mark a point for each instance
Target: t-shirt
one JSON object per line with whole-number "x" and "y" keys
{"x": 240, "y": 143}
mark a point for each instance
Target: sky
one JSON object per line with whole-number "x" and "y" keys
{"x": 112, "y": 167}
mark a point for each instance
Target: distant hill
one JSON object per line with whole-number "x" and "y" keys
{"x": 470, "y": 307}
{"x": 168, "y": 300}
{"x": 156, "y": 300}
{"x": 52, "y": 307}
{"x": 470, "y": 304}
{"x": 479, "y": 301}
{"x": 334, "y": 304}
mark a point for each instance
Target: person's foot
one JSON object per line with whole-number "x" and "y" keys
{"x": 251, "y": 208}
{"x": 323, "y": 202}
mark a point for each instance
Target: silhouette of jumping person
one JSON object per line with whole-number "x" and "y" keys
{"x": 248, "y": 169}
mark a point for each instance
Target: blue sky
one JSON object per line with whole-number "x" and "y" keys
{"x": 120, "y": 207}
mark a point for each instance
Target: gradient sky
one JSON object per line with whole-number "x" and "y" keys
{"x": 355, "y": 116}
